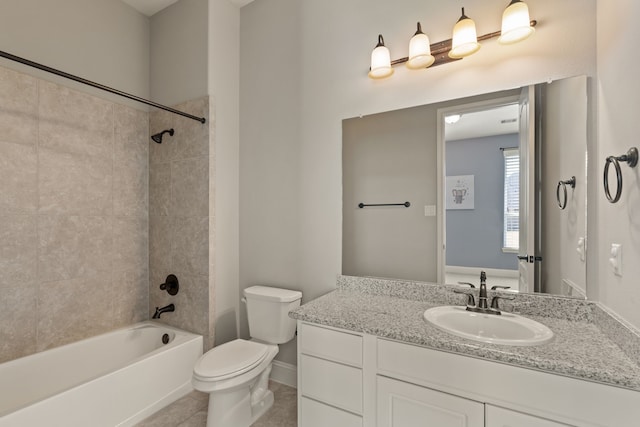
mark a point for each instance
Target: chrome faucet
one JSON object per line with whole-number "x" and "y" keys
{"x": 482, "y": 306}
{"x": 165, "y": 309}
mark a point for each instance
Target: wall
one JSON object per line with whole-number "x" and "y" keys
{"x": 179, "y": 218}
{"x": 178, "y": 52}
{"x": 319, "y": 55}
{"x": 224, "y": 87}
{"x": 618, "y": 92}
{"x": 390, "y": 158}
{"x": 101, "y": 40}
{"x": 474, "y": 237}
{"x": 74, "y": 203}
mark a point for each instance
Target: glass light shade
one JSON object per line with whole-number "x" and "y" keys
{"x": 451, "y": 119}
{"x": 516, "y": 25}
{"x": 419, "y": 51}
{"x": 465, "y": 38}
{"x": 380, "y": 61}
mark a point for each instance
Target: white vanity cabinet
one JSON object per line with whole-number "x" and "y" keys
{"x": 500, "y": 417}
{"x": 330, "y": 388}
{"x": 348, "y": 379}
{"x": 401, "y": 404}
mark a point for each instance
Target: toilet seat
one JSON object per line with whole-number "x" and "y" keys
{"x": 230, "y": 360}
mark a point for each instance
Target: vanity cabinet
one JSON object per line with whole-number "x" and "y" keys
{"x": 500, "y": 417}
{"x": 348, "y": 379}
{"x": 330, "y": 388}
{"x": 402, "y": 404}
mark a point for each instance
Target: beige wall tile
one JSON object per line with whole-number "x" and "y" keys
{"x": 191, "y": 304}
{"x": 130, "y": 297}
{"x": 74, "y": 122}
{"x": 74, "y": 184}
{"x": 191, "y": 138}
{"x": 18, "y": 251}
{"x": 190, "y": 187}
{"x": 160, "y": 189}
{"x": 18, "y": 107}
{"x": 159, "y": 244}
{"x": 18, "y": 322}
{"x": 131, "y": 162}
{"x": 72, "y": 310}
{"x": 158, "y": 121}
{"x": 74, "y": 246}
{"x": 190, "y": 245}
{"x": 130, "y": 244}
{"x": 18, "y": 178}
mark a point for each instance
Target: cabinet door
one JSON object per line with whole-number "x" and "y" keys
{"x": 499, "y": 417}
{"x": 316, "y": 414}
{"x": 402, "y": 404}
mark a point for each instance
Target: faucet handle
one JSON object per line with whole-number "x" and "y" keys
{"x": 467, "y": 284}
{"x": 471, "y": 301}
{"x": 494, "y": 301}
{"x": 493, "y": 288}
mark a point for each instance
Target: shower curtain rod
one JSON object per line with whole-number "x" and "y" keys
{"x": 97, "y": 85}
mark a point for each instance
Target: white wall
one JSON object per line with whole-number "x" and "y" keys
{"x": 101, "y": 40}
{"x": 618, "y": 94}
{"x": 224, "y": 87}
{"x": 291, "y": 188}
{"x": 179, "y": 55}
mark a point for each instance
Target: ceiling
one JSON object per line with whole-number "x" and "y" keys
{"x": 495, "y": 121}
{"x": 151, "y": 7}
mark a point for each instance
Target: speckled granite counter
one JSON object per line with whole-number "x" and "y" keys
{"x": 588, "y": 344}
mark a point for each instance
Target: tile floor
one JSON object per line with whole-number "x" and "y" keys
{"x": 191, "y": 411}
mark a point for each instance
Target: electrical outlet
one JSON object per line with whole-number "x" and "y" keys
{"x": 430, "y": 210}
{"x": 615, "y": 261}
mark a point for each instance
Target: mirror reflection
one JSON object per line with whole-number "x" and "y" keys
{"x": 484, "y": 178}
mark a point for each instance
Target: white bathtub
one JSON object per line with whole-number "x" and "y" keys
{"x": 114, "y": 379}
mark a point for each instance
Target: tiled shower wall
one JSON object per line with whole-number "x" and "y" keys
{"x": 73, "y": 215}
{"x": 179, "y": 216}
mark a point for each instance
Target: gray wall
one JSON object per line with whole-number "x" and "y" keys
{"x": 390, "y": 158}
{"x": 474, "y": 237}
{"x": 179, "y": 54}
{"x": 101, "y": 40}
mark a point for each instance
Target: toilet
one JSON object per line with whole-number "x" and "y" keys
{"x": 236, "y": 374}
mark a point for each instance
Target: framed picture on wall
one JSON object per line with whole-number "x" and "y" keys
{"x": 459, "y": 192}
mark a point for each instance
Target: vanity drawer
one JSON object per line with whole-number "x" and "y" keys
{"x": 330, "y": 344}
{"x": 333, "y": 383}
{"x": 316, "y": 414}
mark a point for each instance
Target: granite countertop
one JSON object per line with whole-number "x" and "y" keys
{"x": 583, "y": 347}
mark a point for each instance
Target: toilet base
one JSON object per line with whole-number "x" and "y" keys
{"x": 234, "y": 409}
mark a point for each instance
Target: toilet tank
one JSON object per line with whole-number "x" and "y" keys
{"x": 268, "y": 312}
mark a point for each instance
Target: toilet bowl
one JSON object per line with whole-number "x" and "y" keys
{"x": 236, "y": 374}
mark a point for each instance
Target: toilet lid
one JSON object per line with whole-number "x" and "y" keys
{"x": 230, "y": 359}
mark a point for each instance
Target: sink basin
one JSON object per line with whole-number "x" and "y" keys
{"x": 505, "y": 329}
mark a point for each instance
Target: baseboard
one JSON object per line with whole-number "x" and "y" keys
{"x": 284, "y": 373}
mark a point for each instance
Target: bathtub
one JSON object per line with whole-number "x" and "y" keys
{"x": 114, "y": 379}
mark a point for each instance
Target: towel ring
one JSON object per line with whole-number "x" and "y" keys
{"x": 631, "y": 158}
{"x": 571, "y": 182}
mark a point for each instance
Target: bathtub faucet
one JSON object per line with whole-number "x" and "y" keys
{"x": 165, "y": 309}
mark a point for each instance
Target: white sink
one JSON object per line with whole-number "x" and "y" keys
{"x": 506, "y": 329}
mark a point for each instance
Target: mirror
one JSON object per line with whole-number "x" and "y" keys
{"x": 480, "y": 195}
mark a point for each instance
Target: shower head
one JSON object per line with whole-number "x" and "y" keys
{"x": 158, "y": 136}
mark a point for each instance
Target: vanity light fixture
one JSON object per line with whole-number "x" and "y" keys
{"x": 452, "y": 118}
{"x": 516, "y": 26}
{"x": 419, "y": 51}
{"x": 465, "y": 38}
{"x": 515, "y": 23}
{"x": 380, "y": 61}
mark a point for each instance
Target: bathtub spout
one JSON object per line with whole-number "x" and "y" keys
{"x": 165, "y": 309}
